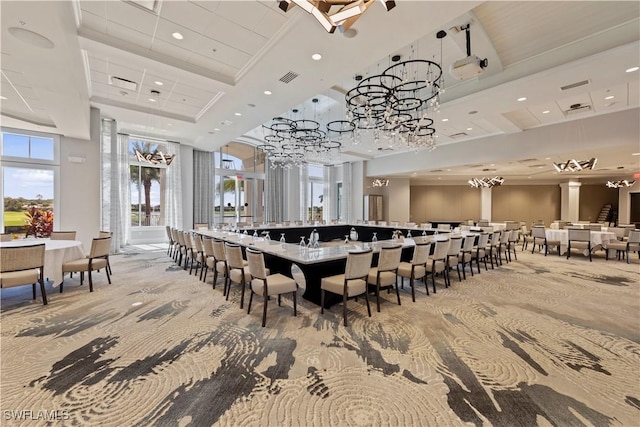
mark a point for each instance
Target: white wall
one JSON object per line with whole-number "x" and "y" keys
{"x": 397, "y": 200}
{"x": 624, "y": 203}
{"x": 80, "y": 184}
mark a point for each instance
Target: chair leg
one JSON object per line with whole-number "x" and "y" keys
{"x": 242, "y": 296}
{"x": 458, "y": 270}
{"x": 413, "y": 288}
{"x": 366, "y": 298}
{"x": 295, "y": 303}
{"x": 33, "y": 288}
{"x": 90, "y": 282}
{"x": 108, "y": 275}
{"x": 264, "y": 310}
{"x": 322, "y": 301}
{"x": 250, "y": 301}
{"x": 464, "y": 271}
{"x": 344, "y": 307}
{"x": 377, "y": 296}
{"x": 398, "y": 293}
{"x": 43, "y": 292}
{"x": 433, "y": 280}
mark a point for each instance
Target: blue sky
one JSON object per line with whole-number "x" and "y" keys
{"x": 27, "y": 183}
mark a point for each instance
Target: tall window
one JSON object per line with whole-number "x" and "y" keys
{"x": 30, "y": 168}
{"x": 316, "y": 193}
{"x": 147, "y": 183}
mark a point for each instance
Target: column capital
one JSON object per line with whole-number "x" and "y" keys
{"x": 570, "y": 184}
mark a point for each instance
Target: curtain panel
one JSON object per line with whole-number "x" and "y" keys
{"x": 203, "y": 181}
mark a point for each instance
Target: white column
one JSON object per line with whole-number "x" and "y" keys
{"x": 570, "y": 201}
{"x": 357, "y": 191}
{"x": 485, "y": 203}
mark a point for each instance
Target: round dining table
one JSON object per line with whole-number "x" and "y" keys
{"x": 56, "y": 253}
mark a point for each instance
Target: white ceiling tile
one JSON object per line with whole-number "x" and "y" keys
{"x": 171, "y": 50}
{"x": 98, "y": 8}
{"x": 131, "y": 16}
{"x": 94, "y": 22}
{"x": 204, "y": 62}
{"x": 167, "y": 28}
{"x": 186, "y": 14}
{"x": 129, "y": 35}
{"x": 99, "y": 89}
{"x": 244, "y": 13}
{"x": 211, "y": 6}
{"x": 234, "y": 35}
{"x": 222, "y": 53}
{"x": 270, "y": 23}
{"x": 98, "y": 63}
{"x": 181, "y": 108}
{"x": 193, "y": 92}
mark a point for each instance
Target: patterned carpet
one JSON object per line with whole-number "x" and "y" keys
{"x": 541, "y": 341}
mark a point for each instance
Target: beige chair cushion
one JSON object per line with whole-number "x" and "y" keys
{"x": 18, "y": 278}
{"x": 404, "y": 270}
{"x": 335, "y": 284}
{"x": 276, "y": 284}
{"x": 579, "y": 245}
{"x": 481, "y": 253}
{"x": 220, "y": 267}
{"x": 83, "y": 265}
{"x": 386, "y": 277}
{"x": 236, "y": 274}
{"x": 436, "y": 267}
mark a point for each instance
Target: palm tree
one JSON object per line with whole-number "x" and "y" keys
{"x": 147, "y": 175}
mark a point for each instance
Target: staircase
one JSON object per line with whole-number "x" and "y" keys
{"x": 607, "y": 214}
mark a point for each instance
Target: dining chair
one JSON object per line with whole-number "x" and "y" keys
{"x": 220, "y": 265}
{"x": 503, "y": 246}
{"x": 63, "y": 235}
{"x": 632, "y": 244}
{"x": 540, "y": 238}
{"x": 493, "y": 248}
{"x": 352, "y": 283}
{"x": 96, "y": 260}
{"x": 480, "y": 251}
{"x": 103, "y": 233}
{"x": 170, "y": 237}
{"x": 466, "y": 254}
{"x": 453, "y": 255}
{"x": 416, "y": 268}
{"x": 385, "y": 274}
{"x": 238, "y": 270}
{"x": 198, "y": 255}
{"x": 267, "y": 285}
{"x": 437, "y": 263}
{"x": 514, "y": 236}
{"x": 208, "y": 258}
{"x": 579, "y": 239}
{"x": 444, "y": 227}
{"x": 23, "y": 265}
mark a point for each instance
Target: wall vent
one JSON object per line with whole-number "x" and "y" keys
{"x": 574, "y": 85}
{"x": 123, "y": 83}
{"x": 287, "y": 78}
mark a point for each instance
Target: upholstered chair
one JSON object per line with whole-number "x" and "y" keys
{"x": 238, "y": 271}
{"x": 466, "y": 254}
{"x": 96, "y": 260}
{"x": 579, "y": 239}
{"x": 352, "y": 283}
{"x": 23, "y": 265}
{"x": 540, "y": 238}
{"x": 480, "y": 251}
{"x": 437, "y": 263}
{"x": 63, "y": 235}
{"x": 632, "y": 244}
{"x": 453, "y": 255}
{"x": 267, "y": 285}
{"x": 416, "y": 268}
{"x": 385, "y": 274}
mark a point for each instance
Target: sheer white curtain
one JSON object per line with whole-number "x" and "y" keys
{"x": 304, "y": 192}
{"x": 275, "y": 185}
{"x": 203, "y": 187}
{"x": 116, "y": 190}
{"x": 347, "y": 192}
{"x": 329, "y": 210}
{"x": 171, "y": 202}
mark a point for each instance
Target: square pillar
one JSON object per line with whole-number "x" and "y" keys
{"x": 570, "y": 201}
{"x": 485, "y": 203}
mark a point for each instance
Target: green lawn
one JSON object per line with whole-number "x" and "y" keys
{"x": 14, "y": 219}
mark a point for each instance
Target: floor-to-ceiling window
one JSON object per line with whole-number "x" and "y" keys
{"x": 30, "y": 173}
{"x": 147, "y": 182}
{"x": 315, "y": 193}
{"x": 239, "y": 184}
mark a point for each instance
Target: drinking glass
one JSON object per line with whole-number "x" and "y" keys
{"x": 374, "y": 239}
{"x": 282, "y": 239}
{"x": 302, "y": 243}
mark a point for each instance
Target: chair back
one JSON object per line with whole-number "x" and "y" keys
{"x": 389, "y": 258}
{"x": 483, "y": 239}
{"x": 619, "y": 231}
{"x": 201, "y": 226}
{"x": 234, "y": 255}
{"x": 514, "y": 235}
{"x": 537, "y": 231}
{"x": 421, "y": 253}
{"x": 63, "y": 235}
{"x": 577, "y": 234}
{"x": 483, "y": 223}
{"x": 207, "y": 245}
{"x": 103, "y": 233}
{"x": 495, "y": 238}
{"x": 454, "y": 246}
{"x": 100, "y": 247}
{"x": 468, "y": 244}
{"x": 197, "y": 240}
{"x": 595, "y": 227}
{"x": 487, "y": 229}
{"x": 188, "y": 240}
{"x": 218, "y": 250}
{"x": 441, "y": 250}
{"x": 511, "y": 225}
{"x": 426, "y": 225}
{"x": 21, "y": 258}
{"x": 634, "y": 237}
{"x": 174, "y": 235}
{"x": 169, "y": 234}
{"x": 504, "y": 237}
{"x": 358, "y": 264}
{"x": 298, "y": 222}
{"x": 257, "y": 268}
{"x": 180, "y": 238}
{"x": 444, "y": 227}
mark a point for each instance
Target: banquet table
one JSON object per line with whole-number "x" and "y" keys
{"x": 598, "y": 238}
{"x": 314, "y": 263}
{"x": 57, "y": 252}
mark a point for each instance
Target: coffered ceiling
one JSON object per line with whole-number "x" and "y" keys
{"x": 567, "y": 58}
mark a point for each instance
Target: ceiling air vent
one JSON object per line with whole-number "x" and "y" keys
{"x": 574, "y": 85}
{"x": 458, "y": 135}
{"x": 288, "y": 77}
{"x": 123, "y": 83}
{"x": 578, "y": 109}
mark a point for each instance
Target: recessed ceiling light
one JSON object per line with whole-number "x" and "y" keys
{"x": 316, "y": 57}
{"x": 169, "y": 124}
{"x": 469, "y": 128}
{"x": 492, "y": 164}
{"x": 445, "y": 120}
{"x": 267, "y": 92}
{"x": 546, "y": 112}
{"x": 632, "y": 69}
{"x": 529, "y": 177}
{"x": 238, "y": 114}
{"x": 177, "y": 36}
{"x": 524, "y": 98}
{"x": 137, "y": 303}
{"x": 635, "y": 154}
{"x": 159, "y": 83}
{"x": 216, "y": 129}
{"x": 448, "y": 170}
{"x": 439, "y": 178}
{"x": 547, "y": 158}
{"x": 609, "y": 97}
{"x": 152, "y": 100}
{"x": 3, "y": 97}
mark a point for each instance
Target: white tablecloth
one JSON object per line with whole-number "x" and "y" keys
{"x": 56, "y": 253}
{"x": 597, "y": 238}
{"x": 498, "y": 226}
